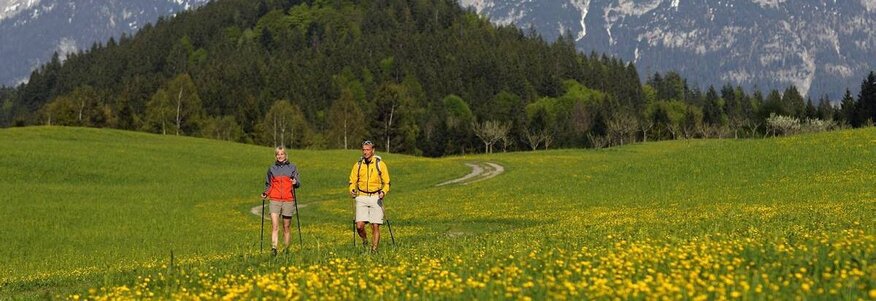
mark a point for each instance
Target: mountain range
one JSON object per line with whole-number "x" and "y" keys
{"x": 32, "y": 30}
{"x": 822, "y": 47}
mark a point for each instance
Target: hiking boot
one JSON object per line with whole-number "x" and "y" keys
{"x": 274, "y": 252}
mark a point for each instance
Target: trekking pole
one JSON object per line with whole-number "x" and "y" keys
{"x": 388, "y": 225}
{"x": 297, "y": 219}
{"x": 391, "y": 236}
{"x": 354, "y": 223}
{"x": 262, "y": 236}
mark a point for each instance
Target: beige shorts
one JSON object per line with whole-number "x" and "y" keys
{"x": 286, "y": 209}
{"x": 369, "y": 208}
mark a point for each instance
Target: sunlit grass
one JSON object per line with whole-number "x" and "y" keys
{"x": 716, "y": 219}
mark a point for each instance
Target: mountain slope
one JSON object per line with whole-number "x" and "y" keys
{"x": 31, "y": 30}
{"x": 822, "y": 47}
{"x": 398, "y": 60}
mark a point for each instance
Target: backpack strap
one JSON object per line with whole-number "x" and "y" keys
{"x": 379, "y": 172}
{"x": 358, "y": 173}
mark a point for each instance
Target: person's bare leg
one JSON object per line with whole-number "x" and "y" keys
{"x": 375, "y": 236}
{"x": 360, "y": 228}
{"x": 287, "y": 230}
{"x": 275, "y": 228}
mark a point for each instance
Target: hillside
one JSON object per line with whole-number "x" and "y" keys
{"x": 334, "y": 61}
{"x": 80, "y": 200}
{"x": 641, "y": 212}
{"x": 418, "y": 77}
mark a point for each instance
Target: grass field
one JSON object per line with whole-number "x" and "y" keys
{"x": 95, "y": 214}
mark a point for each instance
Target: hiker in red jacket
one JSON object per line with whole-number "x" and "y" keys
{"x": 282, "y": 177}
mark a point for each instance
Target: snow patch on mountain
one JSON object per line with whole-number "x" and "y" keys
{"x": 870, "y": 5}
{"x": 737, "y": 76}
{"x": 478, "y": 5}
{"x": 674, "y": 39}
{"x": 12, "y": 8}
{"x": 66, "y": 46}
{"x": 35, "y": 14}
{"x": 631, "y": 8}
{"x": 829, "y": 37}
{"x": 186, "y": 5}
{"x": 838, "y": 70}
{"x": 768, "y": 3}
{"x": 584, "y": 7}
{"x": 512, "y": 17}
{"x": 612, "y": 14}
{"x": 809, "y": 67}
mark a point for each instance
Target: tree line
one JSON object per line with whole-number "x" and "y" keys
{"x": 423, "y": 77}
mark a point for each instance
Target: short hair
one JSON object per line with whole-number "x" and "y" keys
{"x": 368, "y": 142}
{"x": 279, "y": 149}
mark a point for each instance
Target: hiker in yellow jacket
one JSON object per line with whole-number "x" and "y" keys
{"x": 369, "y": 184}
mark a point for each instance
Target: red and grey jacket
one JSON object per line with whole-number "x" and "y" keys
{"x": 278, "y": 183}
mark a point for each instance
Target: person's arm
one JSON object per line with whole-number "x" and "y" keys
{"x": 267, "y": 184}
{"x": 384, "y": 176}
{"x": 295, "y": 175}
{"x": 353, "y": 178}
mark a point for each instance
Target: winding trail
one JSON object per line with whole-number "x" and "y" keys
{"x": 479, "y": 171}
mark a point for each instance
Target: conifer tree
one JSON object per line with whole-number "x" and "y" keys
{"x": 867, "y": 100}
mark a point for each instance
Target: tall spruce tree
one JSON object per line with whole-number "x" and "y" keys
{"x": 867, "y": 100}
{"x": 825, "y": 109}
{"x": 793, "y": 102}
{"x": 849, "y": 110}
{"x": 810, "y": 111}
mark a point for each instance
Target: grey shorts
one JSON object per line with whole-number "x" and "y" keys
{"x": 286, "y": 209}
{"x": 369, "y": 208}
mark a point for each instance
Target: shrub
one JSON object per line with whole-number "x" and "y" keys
{"x": 782, "y": 125}
{"x": 818, "y": 125}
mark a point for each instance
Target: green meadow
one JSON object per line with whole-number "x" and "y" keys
{"x": 97, "y": 213}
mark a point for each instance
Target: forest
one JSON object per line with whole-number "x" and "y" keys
{"x": 422, "y": 77}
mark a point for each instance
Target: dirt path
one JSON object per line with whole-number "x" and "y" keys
{"x": 479, "y": 171}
